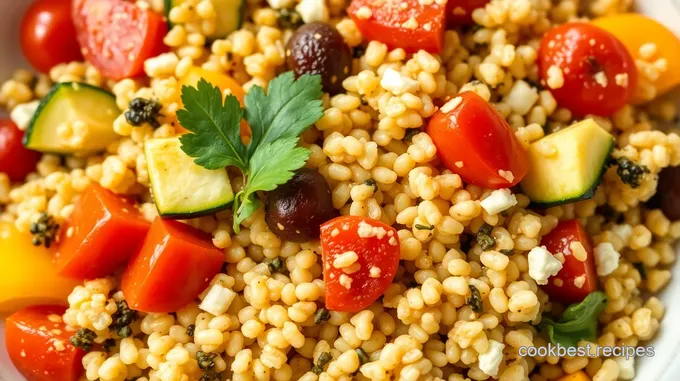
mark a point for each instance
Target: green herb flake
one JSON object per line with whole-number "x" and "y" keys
{"x": 276, "y": 120}
{"x": 321, "y": 316}
{"x": 630, "y": 172}
{"x": 83, "y": 339}
{"x": 475, "y": 300}
{"x": 108, "y": 344}
{"x": 578, "y": 322}
{"x": 289, "y": 19}
{"x": 321, "y": 362}
{"x": 275, "y": 266}
{"x": 424, "y": 227}
{"x": 507, "y": 251}
{"x": 141, "y": 110}
{"x": 484, "y": 238}
{"x": 640, "y": 267}
{"x": 122, "y": 318}
{"x": 206, "y": 361}
{"x": 190, "y": 330}
{"x": 363, "y": 356}
{"x": 410, "y": 133}
{"x": 44, "y": 230}
{"x": 371, "y": 183}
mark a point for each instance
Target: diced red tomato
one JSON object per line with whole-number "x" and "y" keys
{"x": 175, "y": 264}
{"x": 15, "y": 160}
{"x": 377, "y": 248}
{"x": 117, "y": 36}
{"x": 474, "y": 141}
{"x": 37, "y": 343}
{"x": 459, "y": 12}
{"x": 573, "y": 272}
{"x": 406, "y": 24}
{"x": 48, "y": 36}
{"x": 599, "y": 74}
{"x": 101, "y": 234}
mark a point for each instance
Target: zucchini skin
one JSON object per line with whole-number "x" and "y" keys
{"x": 169, "y": 4}
{"x": 46, "y": 101}
{"x": 186, "y": 215}
{"x": 588, "y": 194}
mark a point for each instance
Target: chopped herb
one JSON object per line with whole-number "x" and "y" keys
{"x": 83, "y": 339}
{"x": 641, "y": 269}
{"x": 475, "y": 300}
{"x": 124, "y": 331}
{"x": 44, "y": 230}
{"x": 371, "y": 183}
{"x": 210, "y": 375}
{"x": 276, "y": 119}
{"x": 363, "y": 100}
{"x": 578, "y": 322}
{"x": 206, "y": 361}
{"x": 289, "y": 19}
{"x": 275, "y": 266}
{"x": 484, "y": 238}
{"x": 507, "y": 251}
{"x": 324, "y": 359}
{"x": 190, "y": 330}
{"x": 424, "y": 227}
{"x": 359, "y": 51}
{"x": 630, "y": 172}
{"x": 363, "y": 356}
{"x": 122, "y": 318}
{"x": 142, "y": 110}
{"x": 410, "y": 133}
{"x": 321, "y": 315}
{"x": 108, "y": 344}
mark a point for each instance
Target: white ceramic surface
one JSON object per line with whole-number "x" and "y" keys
{"x": 664, "y": 366}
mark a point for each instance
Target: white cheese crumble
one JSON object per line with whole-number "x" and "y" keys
{"x": 490, "y": 360}
{"x": 218, "y": 300}
{"x": 312, "y": 11}
{"x": 375, "y": 272}
{"x": 397, "y": 83}
{"x": 601, "y": 79}
{"x": 367, "y": 231}
{"x": 542, "y": 265}
{"x": 22, "y": 114}
{"x": 345, "y": 281}
{"x": 624, "y": 231}
{"x": 626, "y": 367}
{"x": 606, "y": 258}
{"x": 521, "y": 97}
{"x": 555, "y": 77}
{"x": 498, "y": 201}
{"x": 507, "y": 175}
{"x": 364, "y": 13}
{"x": 345, "y": 259}
{"x": 451, "y": 105}
{"x": 621, "y": 79}
{"x": 580, "y": 280}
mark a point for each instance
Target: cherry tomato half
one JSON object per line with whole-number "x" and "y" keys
{"x": 37, "y": 342}
{"x": 599, "y": 74}
{"x": 48, "y": 36}
{"x": 375, "y": 247}
{"x": 117, "y": 36}
{"x": 576, "y": 279}
{"x": 474, "y": 141}
{"x": 412, "y": 25}
{"x": 459, "y": 12}
{"x": 15, "y": 160}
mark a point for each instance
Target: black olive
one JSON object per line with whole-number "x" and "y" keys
{"x": 296, "y": 210}
{"x": 318, "y": 48}
{"x": 668, "y": 193}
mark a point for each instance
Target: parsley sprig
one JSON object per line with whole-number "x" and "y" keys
{"x": 276, "y": 120}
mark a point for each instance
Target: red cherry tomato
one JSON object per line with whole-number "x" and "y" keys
{"x": 117, "y": 36}
{"x": 377, "y": 248}
{"x": 408, "y": 24}
{"x": 459, "y": 12}
{"x": 175, "y": 264}
{"x": 103, "y": 231}
{"x": 37, "y": 343}
{"x": 576, "y": 279}
{"x": 15, "y": 160}
{"x": 599, "y": 74}
{"x": 48, "y": 36}
{"x": 474, "y": 141}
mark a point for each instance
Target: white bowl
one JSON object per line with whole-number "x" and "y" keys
{"x": 664, "y": 366}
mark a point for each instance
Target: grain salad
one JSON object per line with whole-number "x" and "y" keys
{"x": 337, "y": 190}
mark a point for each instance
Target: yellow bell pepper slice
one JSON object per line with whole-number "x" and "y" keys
{"x": 27, "y": 274}
{"x": 578, "y": 376}
{"x": 635, "y": 30}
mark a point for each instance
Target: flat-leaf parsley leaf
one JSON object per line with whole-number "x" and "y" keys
{"x": 578, "y": 322}
{"x": 276, "y": 120}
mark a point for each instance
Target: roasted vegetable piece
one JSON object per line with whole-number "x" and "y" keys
{"x": 101, "y": 234}
{"x": 175, "y": 263}
{"x": 474, "y": 141}
{"x": 28, "y": 274}
{"x": 577, "y": 278}
{"x": 318, "y": 48}
{"x": 296, "y": 210}
{"x": 360, "y": 259}
{"x": 37, "y": 342}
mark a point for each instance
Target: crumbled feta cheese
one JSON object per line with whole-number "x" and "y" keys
{"x": 367, "y": 231}
{"x": 375, "y": 272}
{"x": 490, "y": 360}
{"x": 364, "y": 13}
{"x": 312, "y": 11}
{"x": 606, "y": 258}
{"x": 624, "y": 231}
{"x": 451, "y": 105}
{"x": 542, "y": 265}
{"x": 498, "y": 201}
{"x": 580, "y": 280}
{"x": 507, "y": 175}
{"x": 397, "y": 83}
{"x": 601, "y": 79}
{"x": 621, "y": 79}
{"x": 218, "y": 300}
{"x": 555, "y": 77}
{"x": 626, "y": 367}
{"x": 345, "y": 281}
{"x": 345, "y": 259}
{"x": 22, "y": 114}
{"x": 521, "y": 97}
